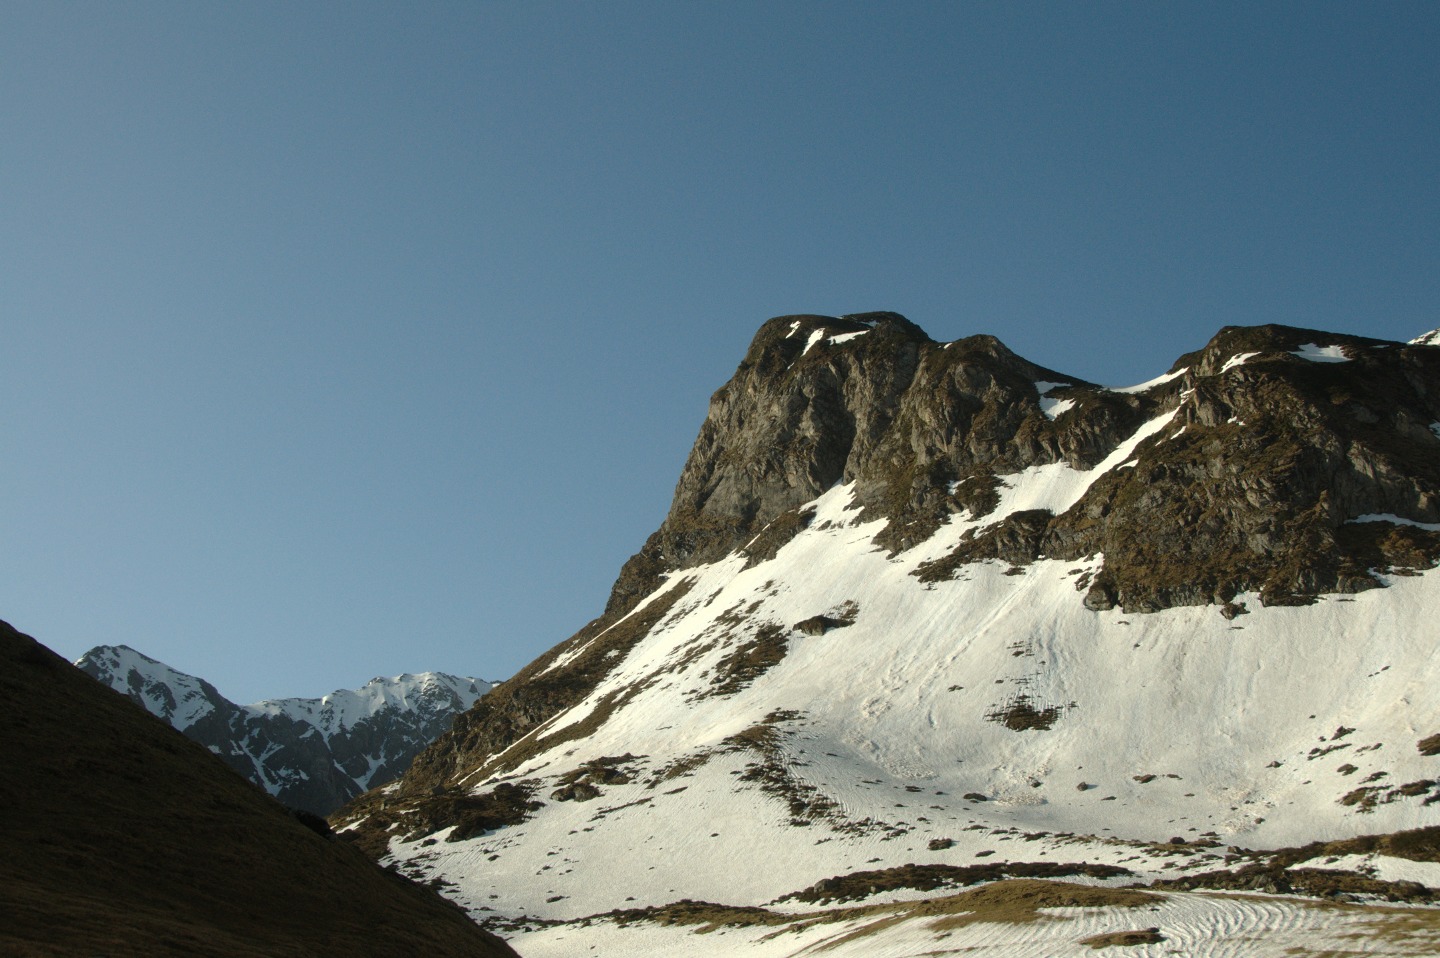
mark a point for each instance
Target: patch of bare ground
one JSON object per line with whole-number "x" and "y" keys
{"x": 777, "y": 533}
{"x": 583, "y": 783}
{"x": 772, "y": 773}
{"x": 508, "y": 803}
{"x": 1021, "y": 714}
{"x": 1113, "y": 939}
{"x": 750, "y": 659}
{"x": 1280, "y": 872}
{"x": 838, "y": 618}
{"x": 682, "y": 767}
{"x": 505, "y": 728}
{"x": 1020, "y": 900}
{"x": 863, "y": 884}
{"x": 1011, "y": 901}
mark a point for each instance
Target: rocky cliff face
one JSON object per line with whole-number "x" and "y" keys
{"x": 925, "y": 614}
{"x": 1289, "y": 434}
{"x": 313, "y": 754}
{"x": 1248, "y": 466}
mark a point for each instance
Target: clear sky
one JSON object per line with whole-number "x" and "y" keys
{"x": 349, "y": 339}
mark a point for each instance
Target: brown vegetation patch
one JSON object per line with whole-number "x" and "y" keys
{"x": 1111, "y": 939}
{"x": 750, "y": 660}
{"x": 1020, "y": 900}
{"x": 472, "y": 815}
{"x": 498, "y": 733}
{"x": 1430, "y": 745}
{"x": 708, "y": 915}
{"x": 772, "y": 774}
{"x": 820, "y": 624}
{"x": 1013, "y": 901}
{"x": 863, "y": 884}
{"x": 583, "y": 783}
{"x": 776, "y": 535}
{"x": 1016, "y": 540}
{"x": 684, "y": 766}
{"x": 1279, "y": 874}
{"x": 1019, "y": 714}
{"x": 1366, "y": 797}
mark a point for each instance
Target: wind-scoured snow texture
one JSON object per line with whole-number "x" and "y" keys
{"x": 313, "y": 754}
{"x": 904, "y": 634}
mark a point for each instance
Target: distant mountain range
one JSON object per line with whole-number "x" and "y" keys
{"x": 313, "y": 754}
{"x": 934, "y": 638}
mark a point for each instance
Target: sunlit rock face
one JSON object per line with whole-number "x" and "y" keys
{"x": 926, "y": 614}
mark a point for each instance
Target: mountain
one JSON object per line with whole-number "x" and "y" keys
{"x": 313, "y": 754}
{"x": 122, "y": 838}
{"x": 934, "y": 638}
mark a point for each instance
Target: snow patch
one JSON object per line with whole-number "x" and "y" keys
{"x": 1398, "y": 520}
{"x": 1151, "y": 383}
{"x": 1053, "y": 408}
{"x": 823, "y": 334}
{"x": 1321, "y": 354}
{"x": 1238, "y": 359}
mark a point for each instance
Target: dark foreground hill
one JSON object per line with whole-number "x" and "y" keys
{"x": 121, "y": 837}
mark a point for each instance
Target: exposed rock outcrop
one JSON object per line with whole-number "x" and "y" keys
{"x": 1259, "y": 458}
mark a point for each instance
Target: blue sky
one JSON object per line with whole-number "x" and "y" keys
{"x": 350, "y": 339}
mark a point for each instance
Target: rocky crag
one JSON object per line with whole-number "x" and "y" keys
{"x": 312, "y": 754}
{"x": 1278, "y": 438}
{"x": 913, "y": 600}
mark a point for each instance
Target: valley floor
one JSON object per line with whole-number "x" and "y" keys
{"x": 1003, "y": 925}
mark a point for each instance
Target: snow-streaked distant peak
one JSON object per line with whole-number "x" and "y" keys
{"x": 1431, "y": 338}
{"x": 180, "y": 699}
{"x": 345, "y": 707}
{"x": 1321, "y": 354}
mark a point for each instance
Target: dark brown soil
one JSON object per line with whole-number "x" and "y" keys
{"x": 123, "y": 838}
{"x": 1021, "y": 715}
{"x": 1148, "y": 936}
{"x": 863, "y": 884}
{"x": 750, "y": 660}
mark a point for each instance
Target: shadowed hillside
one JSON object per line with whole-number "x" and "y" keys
{"x": 122, "y": 837}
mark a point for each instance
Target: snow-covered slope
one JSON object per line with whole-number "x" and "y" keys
{"x": 1153, "y": 636}
{"x": 310, "y": 753}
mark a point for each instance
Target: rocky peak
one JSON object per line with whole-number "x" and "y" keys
{"x": 1266, "y": 462}
{"x": 1270, "y": 430}
{"x": 1237, "y": 346}
{"x": 867, "y": 398}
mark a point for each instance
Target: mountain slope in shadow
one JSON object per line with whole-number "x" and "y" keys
{"x": 122, "y": 837}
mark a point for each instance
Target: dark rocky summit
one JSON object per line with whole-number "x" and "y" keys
{"x": 124, "y": 838}
{"x": 1277, "y": 440}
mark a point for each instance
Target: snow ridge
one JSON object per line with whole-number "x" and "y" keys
{"x": 309, "y": 753}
